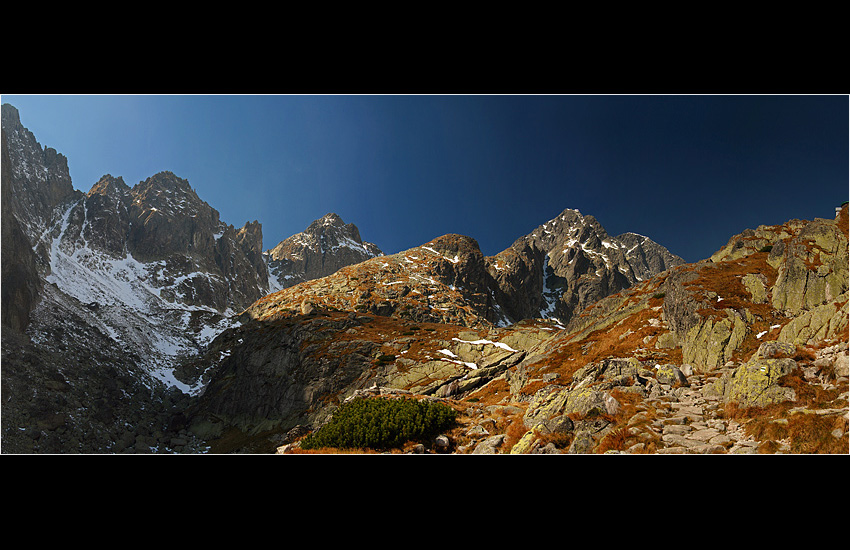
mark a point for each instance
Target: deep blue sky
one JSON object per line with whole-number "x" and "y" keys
{"x": 687, "y": 171}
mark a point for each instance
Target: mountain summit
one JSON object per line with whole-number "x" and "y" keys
{"x": 568, "y": 263}
{"x": 327, "y": 245}
{"x": 561, "y": 267}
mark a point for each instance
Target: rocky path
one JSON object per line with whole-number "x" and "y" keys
{"x": 681, "y": 419}
{"x": 688, "y": 423}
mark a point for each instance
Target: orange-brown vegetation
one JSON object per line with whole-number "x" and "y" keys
{"x": 725, "y": 279}
{"x": 624, "y": 339}
{"x": 804, "y": 432}
{"x": 492, "y": 393}
{"x": 338, "y": 451}
{"x": 628, "y": 432}
{"x": 514, "y": 432}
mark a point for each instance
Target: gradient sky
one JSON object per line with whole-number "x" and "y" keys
{"x": 687, "y": 171}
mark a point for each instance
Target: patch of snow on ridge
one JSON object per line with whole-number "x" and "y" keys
{"x": 452, "y": 260}
{"x": 348, "y": 242}
{"x": 128, "y": 308}
{"x": 472, "y": 366}
{"x": 482, "y": 341}
{"x": 549, "y": 295}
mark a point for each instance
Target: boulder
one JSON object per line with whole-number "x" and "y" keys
{"x": 754, "y": 384}
{"x": 670, "y": 375}
{"x": 776, "y": 350}
{"x": 711, "y": 343}
{"x": 824, "y": 321}
{"x": 755, "y": 285}
{"x": 490, "y": 446}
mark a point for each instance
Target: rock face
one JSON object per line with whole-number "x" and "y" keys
{"x": 288, "y": 373}
{"x": 21, "y": 284}
{"x": 38, "y": 177}
{"x": 154, "y": 262}
{"x": 327, "y": 245}
{"x": 568, "y": 263}
{"x": 132, "y": 278}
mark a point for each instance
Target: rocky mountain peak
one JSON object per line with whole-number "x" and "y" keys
{"x": 110, "y": 186}
{"x": 250, "y": 236}
{"x": 330, "y": 231}
{"x": 330, "y": 218}
{"x": 455, "y": 246}
{"x": 327, "y": 245}
{"x": 569, "y": 262}
{"x": 166, "y": 180}
{"x": 39, "y": 179}
{"x": 168, "y": 195}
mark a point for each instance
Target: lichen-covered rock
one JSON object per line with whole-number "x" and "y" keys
{"x": 667, "y": 340}
{"x": 841, "y": 366}
{"x": 613, "y": 369}
{"x": 824, "y": 321}
{"x": 711, "y": 343}
{"x": 776, "y": 350}
{"x": 754, "y": 283}
{"x": 812, "y": 266}
{"x": 558, "y": 402}
{"x": 490, "y": 446}
{"x": 754, "y": 384}
{"x": 750, "y": 241}
{"x": 525, "y": 443}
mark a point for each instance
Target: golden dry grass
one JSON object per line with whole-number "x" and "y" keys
{"x": 805, "y": 432}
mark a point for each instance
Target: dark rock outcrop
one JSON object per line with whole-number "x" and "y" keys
{"x": 20, "y": 281}
{"x": 38, "y": 177}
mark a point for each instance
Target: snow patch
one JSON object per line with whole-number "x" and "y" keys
{"x": 490, "y": 342}
{"x": 549, "y": 296}
{"x": 129, "y": 308}
{"x": 454, "y": 260}
{"x": 472, "y": 366}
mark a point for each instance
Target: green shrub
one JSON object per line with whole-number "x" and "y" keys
{"x": 766, "y": 248}
{"x": 381, "y": 424}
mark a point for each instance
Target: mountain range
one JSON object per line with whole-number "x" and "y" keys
{"x": 135, "y": 320}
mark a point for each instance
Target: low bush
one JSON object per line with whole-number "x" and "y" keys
{"x": 381, "y": 424}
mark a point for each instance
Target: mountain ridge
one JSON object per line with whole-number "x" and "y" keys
{"x": 140, "y": 322}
